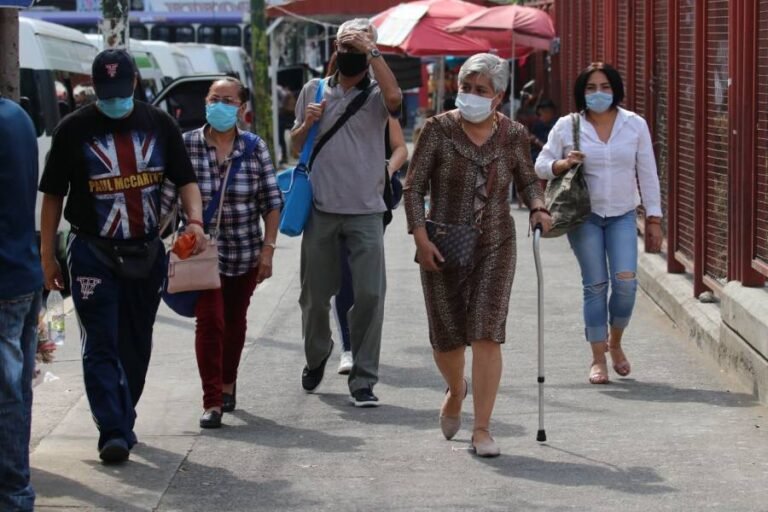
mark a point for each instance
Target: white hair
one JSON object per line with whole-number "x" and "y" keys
{"x": 489, "y": 65}
{"x": 361, "y": 24}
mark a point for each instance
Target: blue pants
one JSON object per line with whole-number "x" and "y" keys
{"x": 614, "y": 239}
{"x": 345, "y": 298}
{"x": 18, "y": 344}
{"x": 116, "y": 317}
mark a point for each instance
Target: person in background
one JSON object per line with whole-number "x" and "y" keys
{"x": 466, "y": 159}
{"x": 110, "y": 158}
{"x": 245, "y": 253}
{"x": 21, "y": 285}
{"x": 396, "y": 152}
{"x": 286, "y": 117}
{"x": 347, "y": 182}
{"x": 616, "y": 155}
{"x": 546, "y": 117}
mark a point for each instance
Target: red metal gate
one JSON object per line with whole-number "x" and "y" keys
{"x": 716, "y": 144}
{"x": 760, "y": 226}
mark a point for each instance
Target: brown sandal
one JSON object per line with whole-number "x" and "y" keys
{"x": 598, "y": 373}
{"x": 623, "y": 367}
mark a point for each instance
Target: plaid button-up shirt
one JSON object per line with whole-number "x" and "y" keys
{"x": 252, "y": 193}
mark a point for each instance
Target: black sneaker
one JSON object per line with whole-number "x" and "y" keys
{"x": 364, "y": 398}
{"x": 210, "y": 419}
{"x": 229, "y": 401}
{"x": 114, "y": 451}
{"x": 311, "y": 379}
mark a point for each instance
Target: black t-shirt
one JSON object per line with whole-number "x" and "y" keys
{"x": 113, "y": 169}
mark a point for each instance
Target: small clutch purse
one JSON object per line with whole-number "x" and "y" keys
{"x": 456, "y": 242}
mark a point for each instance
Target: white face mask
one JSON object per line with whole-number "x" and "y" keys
{"x": 474, "y": 108}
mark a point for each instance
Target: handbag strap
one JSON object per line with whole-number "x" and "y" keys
{"x": 352, "y": 108}
{"x": 576, "y": 126}
{"x": 306, "y": 149}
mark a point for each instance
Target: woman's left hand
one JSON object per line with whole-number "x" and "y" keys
{"x": 264, "y": 271}
{"x": 653, "y": 237}
{"x": 542, "y": 218}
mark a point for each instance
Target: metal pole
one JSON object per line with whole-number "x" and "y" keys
{"x": 274, "y": 62}
{"x": 541, "y": 435}
{"x": 512, "y": 109}
{"x": 9, "y": 56}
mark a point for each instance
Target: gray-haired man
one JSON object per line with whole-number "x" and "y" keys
{"x": 348, "y": 182}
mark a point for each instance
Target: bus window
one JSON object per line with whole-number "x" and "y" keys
{"x": 225, "y": 35}
{"x": 139, "y": 32}
{"x": 173, "y": 33}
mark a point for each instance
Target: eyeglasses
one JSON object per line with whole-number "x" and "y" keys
{"x": 225, "y": 100}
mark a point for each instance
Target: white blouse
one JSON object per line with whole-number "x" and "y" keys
{"x": 612, "y": 169}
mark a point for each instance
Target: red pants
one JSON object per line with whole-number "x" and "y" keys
{"x": 220, "y": 333}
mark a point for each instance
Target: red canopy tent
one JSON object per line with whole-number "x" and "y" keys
{"x": 418, "y": 29}
{"x": 338, "y": 8}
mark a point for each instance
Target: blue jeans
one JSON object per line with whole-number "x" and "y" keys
{"x": 606, "y": 248}
{"x": 18, "y": 344}
{"x": 345, "y": 298}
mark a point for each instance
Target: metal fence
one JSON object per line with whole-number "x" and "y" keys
{"x": 697, "y": 70}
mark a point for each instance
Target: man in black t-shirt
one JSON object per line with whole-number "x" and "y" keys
{"x": 111, "y": 158}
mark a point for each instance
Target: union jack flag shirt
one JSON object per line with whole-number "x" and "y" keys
{"x": 113, "y": 170}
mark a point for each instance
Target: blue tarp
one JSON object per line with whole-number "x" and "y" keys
{"x": 21, "y": 4}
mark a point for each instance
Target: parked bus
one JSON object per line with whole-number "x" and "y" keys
{"x": 223, "y": 28}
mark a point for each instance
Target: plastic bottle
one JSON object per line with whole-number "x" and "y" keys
{"x": 56, "y": 319}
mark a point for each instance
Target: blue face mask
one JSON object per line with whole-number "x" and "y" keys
{"x": 116, "y": 108}
{"x": 599, "y": 102}
{"x": 220, "y": 116}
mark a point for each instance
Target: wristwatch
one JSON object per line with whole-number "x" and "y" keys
{"x": 374, "y": 53}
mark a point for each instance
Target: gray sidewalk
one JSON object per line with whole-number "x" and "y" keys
{"x": 676, "y": 435}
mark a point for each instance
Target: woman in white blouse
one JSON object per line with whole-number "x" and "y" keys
{"x": 617, "y": 154}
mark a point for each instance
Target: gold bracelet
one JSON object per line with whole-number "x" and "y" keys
{"x": 273, "y": 245}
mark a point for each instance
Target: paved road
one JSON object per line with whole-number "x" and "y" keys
{"x": 675, "y": 436}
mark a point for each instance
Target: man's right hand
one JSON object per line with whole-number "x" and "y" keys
{"x": 313, "y": 113}
{"x": 54, "y": 279}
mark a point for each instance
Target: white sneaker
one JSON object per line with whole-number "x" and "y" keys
{"x": 345, "y": 363}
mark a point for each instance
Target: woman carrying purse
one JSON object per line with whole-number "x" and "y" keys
{"x": 245, "y": 255}
{"x": 616, "y": 154}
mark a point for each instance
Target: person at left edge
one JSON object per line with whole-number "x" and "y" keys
{"x": 110, "y": 158}
{"x": 21, "y": 284}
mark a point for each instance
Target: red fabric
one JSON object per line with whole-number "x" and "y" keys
{"x": 220, "y": 333}
{"x": 429, "y": 38}
{"x": 337, "y": 7}
{"x": 529, "y": 26}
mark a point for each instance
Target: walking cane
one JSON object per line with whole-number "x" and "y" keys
{"x": 541, "y": 435}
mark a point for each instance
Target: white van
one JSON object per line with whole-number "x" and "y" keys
{"x": 55, "y": 64}
{"x": 148, "y": 67}
{"x": 241, "y": 63}
{"x": 206, "y": 58}
{"x": 173, "y": 62}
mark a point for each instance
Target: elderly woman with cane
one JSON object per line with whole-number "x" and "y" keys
{"x": 466, "y": 159}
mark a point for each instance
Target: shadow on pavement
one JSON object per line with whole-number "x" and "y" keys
{"x": 632, "y": 480}
{"x": 50, "y": 486}
{"x": 630, "y": 389}
{"x": 418, "y": 419}
{"x": 265, "y": 432}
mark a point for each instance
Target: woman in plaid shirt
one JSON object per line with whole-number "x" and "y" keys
{"x": 245, "y": 255}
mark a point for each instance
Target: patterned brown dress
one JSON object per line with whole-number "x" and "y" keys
{"x": 470, "y": 303}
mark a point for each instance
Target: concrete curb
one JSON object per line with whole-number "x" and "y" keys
{"x": 705, "y": 323}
